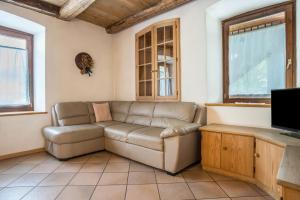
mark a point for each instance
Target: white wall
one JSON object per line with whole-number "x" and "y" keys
{"x": 63, "y": 80}
{"x": 201, "y": 58}
{"x": 114, "y": 72}
{"x": 258, "y": 117}
{"x": 193, "y": 53}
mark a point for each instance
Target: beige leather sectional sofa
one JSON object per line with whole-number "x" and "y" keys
{"x": 162, "y": 135}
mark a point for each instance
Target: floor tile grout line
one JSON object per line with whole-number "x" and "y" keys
{"x": 125, "y": 196}
{"x": 35, "y": 164}
{"x": 187, "y": 183}
{"x": 157, "y": 185}
{"x": 67, "y": 184}
{"x": 130, "y": 162}
{"x": 76, "y": 173}
{"x": 219, "y": 185}
{"x": 21, "y": 174}
{"x": 33, "y": 187}
{"x": 37, "y": 185}
{"x": 110, "y": 155}
{"x": 10, "y": 182}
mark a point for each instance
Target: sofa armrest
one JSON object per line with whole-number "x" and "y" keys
{"x": 179, "y": 130}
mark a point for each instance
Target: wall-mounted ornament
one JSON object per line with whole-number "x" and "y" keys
{"x": 84, "y": 62}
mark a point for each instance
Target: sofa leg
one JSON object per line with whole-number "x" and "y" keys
{"x": 172, "y": 174}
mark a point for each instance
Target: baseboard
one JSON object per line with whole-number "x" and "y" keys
{"x": 22, "y": 153}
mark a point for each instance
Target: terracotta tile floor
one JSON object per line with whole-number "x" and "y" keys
{"x": 107, "y": 176}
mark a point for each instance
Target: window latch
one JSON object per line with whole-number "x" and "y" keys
{"x": 289, "y": 63}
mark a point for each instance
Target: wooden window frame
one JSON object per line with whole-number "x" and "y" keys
{"x": 176, "y": 40}
{"x": 290, "y": 9}
{"x": 29, "y": 45}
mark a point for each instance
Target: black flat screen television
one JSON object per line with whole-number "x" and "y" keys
{"x": 286, "y": 110}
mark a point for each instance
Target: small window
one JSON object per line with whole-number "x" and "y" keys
{"x": 259, "y": 52}
{"x": 157, "y": 62}
{"x": 16, "y": 71}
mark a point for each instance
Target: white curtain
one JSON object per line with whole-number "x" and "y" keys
{"x": 14, "y": 82}
{"x": 257, "y": 61}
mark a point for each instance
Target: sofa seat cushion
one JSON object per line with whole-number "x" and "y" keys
{"x": 119, "y": 132}
{"x": 107, "y": 123}
{"x": 147, "y": 137}
{"x": 73, "y": 134}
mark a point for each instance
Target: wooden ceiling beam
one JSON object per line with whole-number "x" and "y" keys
{"x": 37, "y": 5}
{"x": 72, "y": 8}
{"x": 163, "y": 6}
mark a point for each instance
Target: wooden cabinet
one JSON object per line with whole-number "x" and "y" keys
{"x": 237, "y": 154}
{"x": 211, "y": 149}
{"x": 252, "y": 155}
{"x": 290, "y": 194}
{"x": 144, "y": 64}
{"x": 267, "y": 160}
{"x": 232, "y": 153}
{"x": 157, "y": 62}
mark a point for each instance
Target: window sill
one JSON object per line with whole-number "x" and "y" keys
{"x": 3, "y": 114}
{"x": 258, "y": 105}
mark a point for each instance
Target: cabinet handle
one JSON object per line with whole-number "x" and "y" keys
{"x": 154, "y": 71}
{"x": 225, "y": 148}
{"x": 256, "y": 155}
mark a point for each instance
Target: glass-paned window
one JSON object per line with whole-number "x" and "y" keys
{"x": 15, "y": 71}
{"x": 259, "y": 51}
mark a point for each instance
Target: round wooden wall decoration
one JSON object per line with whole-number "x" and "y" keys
{"x": 84, "y": 62}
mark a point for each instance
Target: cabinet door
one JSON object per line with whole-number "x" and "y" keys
{"x": 237, "y": 154}
{"x": 166, "y": 60}
{"x": 263, "y": 172}
{"x": 144, "y": 65}
{"x": 267, "y": 161}
{"x": 211, "y": 149}
{"x": 291, "y": 194}
{"x": 276, "y": 157}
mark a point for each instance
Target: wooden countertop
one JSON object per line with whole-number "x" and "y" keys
{"x": 289, "y": 171}
{"x": 270, "y": 135}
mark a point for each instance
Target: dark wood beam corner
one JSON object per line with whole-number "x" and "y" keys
{"x": 163, "y": 6}
{"x": 37, "y": 5}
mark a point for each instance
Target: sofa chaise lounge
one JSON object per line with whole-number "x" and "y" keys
{"x": 162, "y": 135}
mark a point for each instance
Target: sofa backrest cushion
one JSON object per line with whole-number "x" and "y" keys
{"x": 119, "y": 110}
{"x": 163, "y": 114}
{"x": 168, "y": 114}
{"x": 141, "y": 113}
{"x": 72, "y": 113}
{"x": 91, "y": 109}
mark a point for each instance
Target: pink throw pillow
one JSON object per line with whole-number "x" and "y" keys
{"x": 102, "y": 112}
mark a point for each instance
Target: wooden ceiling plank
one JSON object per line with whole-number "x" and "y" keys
{"x": 133, "y": 5}
{"x": 56, "y": 2}
{"x": 37, "y": 5}
{"x": 72, "y": 8}
{"x": 149, "y": 3}
{"x": 163, "y": 6}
